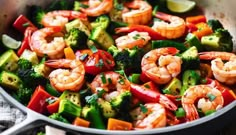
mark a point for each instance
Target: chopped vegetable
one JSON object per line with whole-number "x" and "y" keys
{"x": 115, "y": 124}
{"x": 81, "y": 122}
{"x": 10, "y": 80}
{"x": 58, "y": 117}
{"x": 8, "y": 61}
{"x": 68, "y": 109}
{"x": 190, "y": 59}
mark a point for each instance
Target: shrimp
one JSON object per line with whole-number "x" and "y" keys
{"x": 71, "y": 78}
{"x": 41, "y": 46}
{"x": 61, "y": 17}
{"x": 223, "y": 72}
{"x": 141, "y": 13}
{"x": 209, "y": 98}
{"x": 169, "y": 66}
{"x": 109, "y": 81}
{"x": 133, "y": 39}
{"x": 98, "y": 8}
{"x": 153, "y": 117}
{"x": 173, "y": 28}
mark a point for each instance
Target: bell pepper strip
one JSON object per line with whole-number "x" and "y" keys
{"x": 38, "y": 100}
{"x": 226, "y": 92}
{"x": 115, "y": 124}
{"x": 81, "y": 122}
{"x": 26, "y": 41}
{"x": 53, "y": 108}
{"x": 144, "y": 94}
{"x": 151, "y": 85}
{"x": 191, "y": 27}
{"x": 21, "y": 23}
{"x": 95, "y": 62}
{"x": 140, "y": 28}
{"x": 69, "y": 53}
{"x": 203, "y": 30}
{"x": 196, "y": 19}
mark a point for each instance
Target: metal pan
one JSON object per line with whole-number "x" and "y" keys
{"x": 217, "y": 9}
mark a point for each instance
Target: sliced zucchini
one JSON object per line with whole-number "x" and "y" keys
{"x": 8, "y": 61}
{"x": 173, "y": 87}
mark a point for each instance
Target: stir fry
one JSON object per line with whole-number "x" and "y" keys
{"x": 119, "y": 64}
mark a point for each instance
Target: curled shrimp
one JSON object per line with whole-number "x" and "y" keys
{"x": 141, "y": 12}
{"x": 153, "y": 117}
{"x": 61, "y": 17}
{"x": 173, "y": 28}
{"x": 169, "y": 66}
{"x": 69, "y": 78}
{"x": 224, "y": 72}
{"x": 209, "y": 98}
{"x": 97, "y": 7}
{"x": 41, "y": 46}
{"x": 133, "y": 39}
{"x": 110, "y": 81}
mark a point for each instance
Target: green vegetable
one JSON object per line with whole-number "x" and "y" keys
{"x": 220, "y": 40}
{"x": 10, "y": 80}
{"x": 190, "y": 58}
{"x": 102, "y": 21}
{"x": 30, "y": 56}
{"x": 60, "y": 5}
{"x": 57, "y": 116}
{"x": 41, "y": 133}
{"x": 210, "y": 112}
{"x": 74, "y": 97}
{"x": 134, "y": 78}
{"x": 168, "y": 43}
{"x": 52, "y": 91}
{"x": 115, "y": 24}
{"x": 122, "y": 101}
{"x": 10, "y": 42}
{"x": 106, "y": 108}
{"x": 192, "y": 40}
{"x": 215, "y": 24}
{"x": 24, "y": 64}
{"x": 190, "y": 78}
{"x": 92, "y": 114}
{"x": 68, "y": 109}
{"x": 8, "y": 61}
{"x": 173, "y": 87}
{"x": 143, "y": 108}
{"x": 23, "y": 94}
{"x": 76, "y": 39}
{"x": 127, "y": 58}
{"x": 78, "y": 5}
{"x": 101, "y": 38}
{"x": 83, "y": 93}
{"x": 180, "y": 112}
{"x": 36, "y": 14}
{"x": 77, "y": 23}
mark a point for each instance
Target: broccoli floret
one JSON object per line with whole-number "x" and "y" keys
{"x": 220, "y": 40}
{"x": 122, "y": 101}
{"x": 36, "y": 14}
{"x": 23, "y": 94}
{"x": 127, "y": 58}
{"x": 76, "y": 39}
{"x": 24, "y": 64}
{"x": 214, "y": 24}
{"x": 57, "y": 116}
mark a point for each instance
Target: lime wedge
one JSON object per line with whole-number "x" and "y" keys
{"x": 180, "y": 6}
{"x": 9, "y": 42}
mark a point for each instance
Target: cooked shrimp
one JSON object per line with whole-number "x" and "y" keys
{"x": 209, "y": 98}
{"x": 169, "y": 66}
{"x": 173, "y": 28}
{"x": 141, "y": 12}
{"x": 70, "y": 78}
{"x": 135, "y": 38}
{"x": 98, "y": 8}
{"x": 224, "y": 72}
{"x": 61, "y": 17}
{"x": 41, "y": 46}
{"x": 153, "y": 117}
{"x": 110, "y": 81}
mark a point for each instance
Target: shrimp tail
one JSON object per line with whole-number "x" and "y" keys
{"x": 191, "y": 112}
{"x": 213, "y": 55}
{"x": 167, "y": 103}
{"x": 162, "y": 16}
{"x": 57, "y": 63}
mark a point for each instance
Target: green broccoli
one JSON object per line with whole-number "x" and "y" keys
{"x": 76, "y": 39}
{"x": 23, "y": 94}
{"x": 127, "y": 58}
{"x": 214, "y": 24}
{"x": 122, "y": 101}
{"x": 57, "y": 116}
{"x": 36, "y": 14}
{"x": 24, "y": 64}
{"x": 220, "y": 40}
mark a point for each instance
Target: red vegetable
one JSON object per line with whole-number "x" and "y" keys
{"x": 38, "y": 100}
{"x": 21, "y": 23}
{"x": 196, "y": 19}
{"x": 53, "y": 108}
{"x": 27, "y": 37}
{"x": 140, "y": 28}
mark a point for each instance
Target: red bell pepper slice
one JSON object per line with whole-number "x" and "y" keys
{"x": 151, "y": 85}
{"x": 196, "y": 19}
{"x": 53, "y": 108}
{"x": 191, "y": 27}
{"x": 144, "y": 94}
{"x": 38, "y": 100}
{"x": 97, "y": 62}
{"x": 21, "y": 23}
{"x": 26, "y": 41}
{"x": 141, "y": 28}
